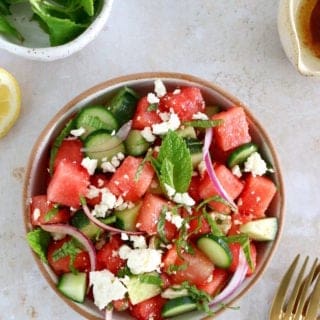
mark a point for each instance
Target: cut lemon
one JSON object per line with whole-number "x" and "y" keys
{"x": 10, "y": 101}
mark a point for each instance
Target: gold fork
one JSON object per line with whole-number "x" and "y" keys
{"x": 299, "y": 305}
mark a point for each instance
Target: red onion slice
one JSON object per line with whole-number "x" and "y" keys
{"x": 124, "y": 130}
{"x": 71, "y": 231}
{"x": 105, "y": 226}
{"x": 235, "y": 281}
{"x": 212, "y": 175}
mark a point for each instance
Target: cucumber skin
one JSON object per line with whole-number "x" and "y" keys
{"x": 123, "y": 105}
{"x": 178, "y": 306}
{"x": 126, "y": 219}
{"x": 135, "y": 144}
{"x": 239, "y": 155}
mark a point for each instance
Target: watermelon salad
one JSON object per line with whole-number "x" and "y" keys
{"x": 154, "y": 204}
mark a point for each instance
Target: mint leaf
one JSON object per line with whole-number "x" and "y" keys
{"x": 175, "y": 159}
{"x": 88, "y": 6}
{"x": 39, "y": 240}
{"x": 51, "y": 214}
{"x": 152, "y": 107}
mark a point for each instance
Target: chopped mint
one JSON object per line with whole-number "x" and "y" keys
{"x": 39, "y": 240}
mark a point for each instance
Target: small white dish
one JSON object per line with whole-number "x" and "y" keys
{"x": 295, "y": 48}
{"x": 37, "y": 46}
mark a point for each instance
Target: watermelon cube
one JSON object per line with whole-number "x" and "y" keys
{"x": 234, "y": 131}
{"x": 69, "y": 182}
{"x": 232, "y": 185}
{"x": 256, "y": 196}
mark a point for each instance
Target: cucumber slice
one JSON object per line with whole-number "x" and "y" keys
{"x": 126, "y": 219}
{"x": 195, "y": 146}
{"x": 100, "y": 144}
{"x": 178, "y": 306}
{"x": 93, "y": 118}
{"x": 187, "y": 132}
{"x": 216, "y": 249}
{"x": 80, "y": 221}
{"x": 212, "y": 110}
{"x": 73, "y": 286}
{"x": 135, "y": 144}
{"x": 123, "y": 105}
{"x": 240, "y": 155}
{"x": 109, "y": 219}
{"x": 139, "y": 291}
{"x": 261, "y": 230}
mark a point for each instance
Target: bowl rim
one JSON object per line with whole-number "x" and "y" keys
{"x": 64, "y": 50}
{"x": 151, "y": 76}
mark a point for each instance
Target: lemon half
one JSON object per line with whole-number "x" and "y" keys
{"x": 10, "y": 101}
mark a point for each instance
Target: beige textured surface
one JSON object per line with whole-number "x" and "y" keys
{"x": 235, "y": 46}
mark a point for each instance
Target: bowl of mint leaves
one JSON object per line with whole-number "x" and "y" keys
{"x": 48, "y": 30}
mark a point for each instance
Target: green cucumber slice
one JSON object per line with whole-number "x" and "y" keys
{"x": 216, "y": 249}
{"x": 80, "y": 221}
{"x": 240, "y": 155}
{"x": 123, "y": 105}
{"x": 73, "y": 286}
{"x": 100, "y": 144}
{"x": 135, "y": 144}
{"x": 126, "y": 219}
{"x": 139, "y": 291}
{"x": 212, "y": 110}
{"x": 261, "y": 230}
{"x": 93, "y": 118}
{"x": 187, "y": 132}
{"x": 178, "y": 306}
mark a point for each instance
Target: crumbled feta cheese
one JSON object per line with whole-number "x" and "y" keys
{"x": 164, "y": 116}
{"x": 172, "y": 124}
{"x": 202, "y": 167}
{"x": 124, "y": 236}
{"x": 159, "y": 88}
{"x": 106, "y": 288}
{"x": 120, "y": 156}
{"x": 36, "y": 214}
{"x": 100, "y": 183}
{"x": 89, "y": 164}
{"x": 183, "y": 198}
{"x": 58, "y": 236}
{"x": 108, "y": 201}
{"x": 93, "y": 192}
{"x": 115, "y": 162}
{"x": 78, "y": 132}
{"x": 124, "y": 252}
{"x": 147, "y": 134}
{"x": 170, "y": 190}
{"x": 174, "y": 219}
{"x": 236, "y": 171}
{"x": 113, "y": 132}
{"x": 152, "y": 98}
{"x": 176, "y": 91}
{"x": 107, "y": 166}
{"x": 139, "y": 242}
{"x": 223, "y": 221}
{"x": 199, "y": 116}
{"x": 255, "y": 164}
{"x": 144, "y": 260}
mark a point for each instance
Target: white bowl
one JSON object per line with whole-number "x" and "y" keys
{"x": 36, "y": 45}
{"x": 296, "y": 50}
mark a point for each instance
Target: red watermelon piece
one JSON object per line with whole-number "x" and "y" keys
{"x": 69, "y": 182}
{"x": 234, "y": 131}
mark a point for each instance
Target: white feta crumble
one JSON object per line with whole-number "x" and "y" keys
{"x": 174, "y": 219}
{"x": 58, "y": 236}
{"x": 170, "y": 190}
{"x": 162, "y": 128}
{"x": 93, "y": 192}
{"x": 236, "y": 171}
{"x": 147, "y": 134}
{"x": 176, "y": 91}
{"x": 144, "y": 260}
{"x": 115, "y": 162}
{"x": 199, "y": 116}
{"x": 106, "y": 288}
{"x": 108, "y": 201}
{"x": 107, "y": 166}
{"x": 139, "y": 242}
{"x": 36, "y": 214}
{"x": 202, "y": 168}
{"x": 124, "y": 252}
{"x": 255, "y": 164}
{"x": 78, "y": 132}
{"x": 164, "y": 116}
{"x": 159, "y": 88}
{"x": 120, "y": 156}
{"x": 89, "y": 164}
{"x": 152, "y": 98}
{"x": 183, "y": 198}
{"x": 124, "y": 236}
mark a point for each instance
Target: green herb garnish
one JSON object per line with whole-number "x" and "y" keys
{"x": 51, "y": 213}
{"x": 39, "y": 240}
{"x": 152, "y": 107}
{"x": 203, "y": 123}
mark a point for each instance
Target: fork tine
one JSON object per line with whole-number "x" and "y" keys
{"x": 278, "y": 300}
{"x": 293, "y": 297}
{"x": 314, "y": 301}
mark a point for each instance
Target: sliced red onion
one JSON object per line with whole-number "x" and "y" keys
{"x": 235, "y": 281}
{"x": 108, "y": 314}
{"x": 71, "y": 231}
{"x": 212, "y": 175}
{"x": 124, "y": 130}
{"x": 105, "y": 226}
